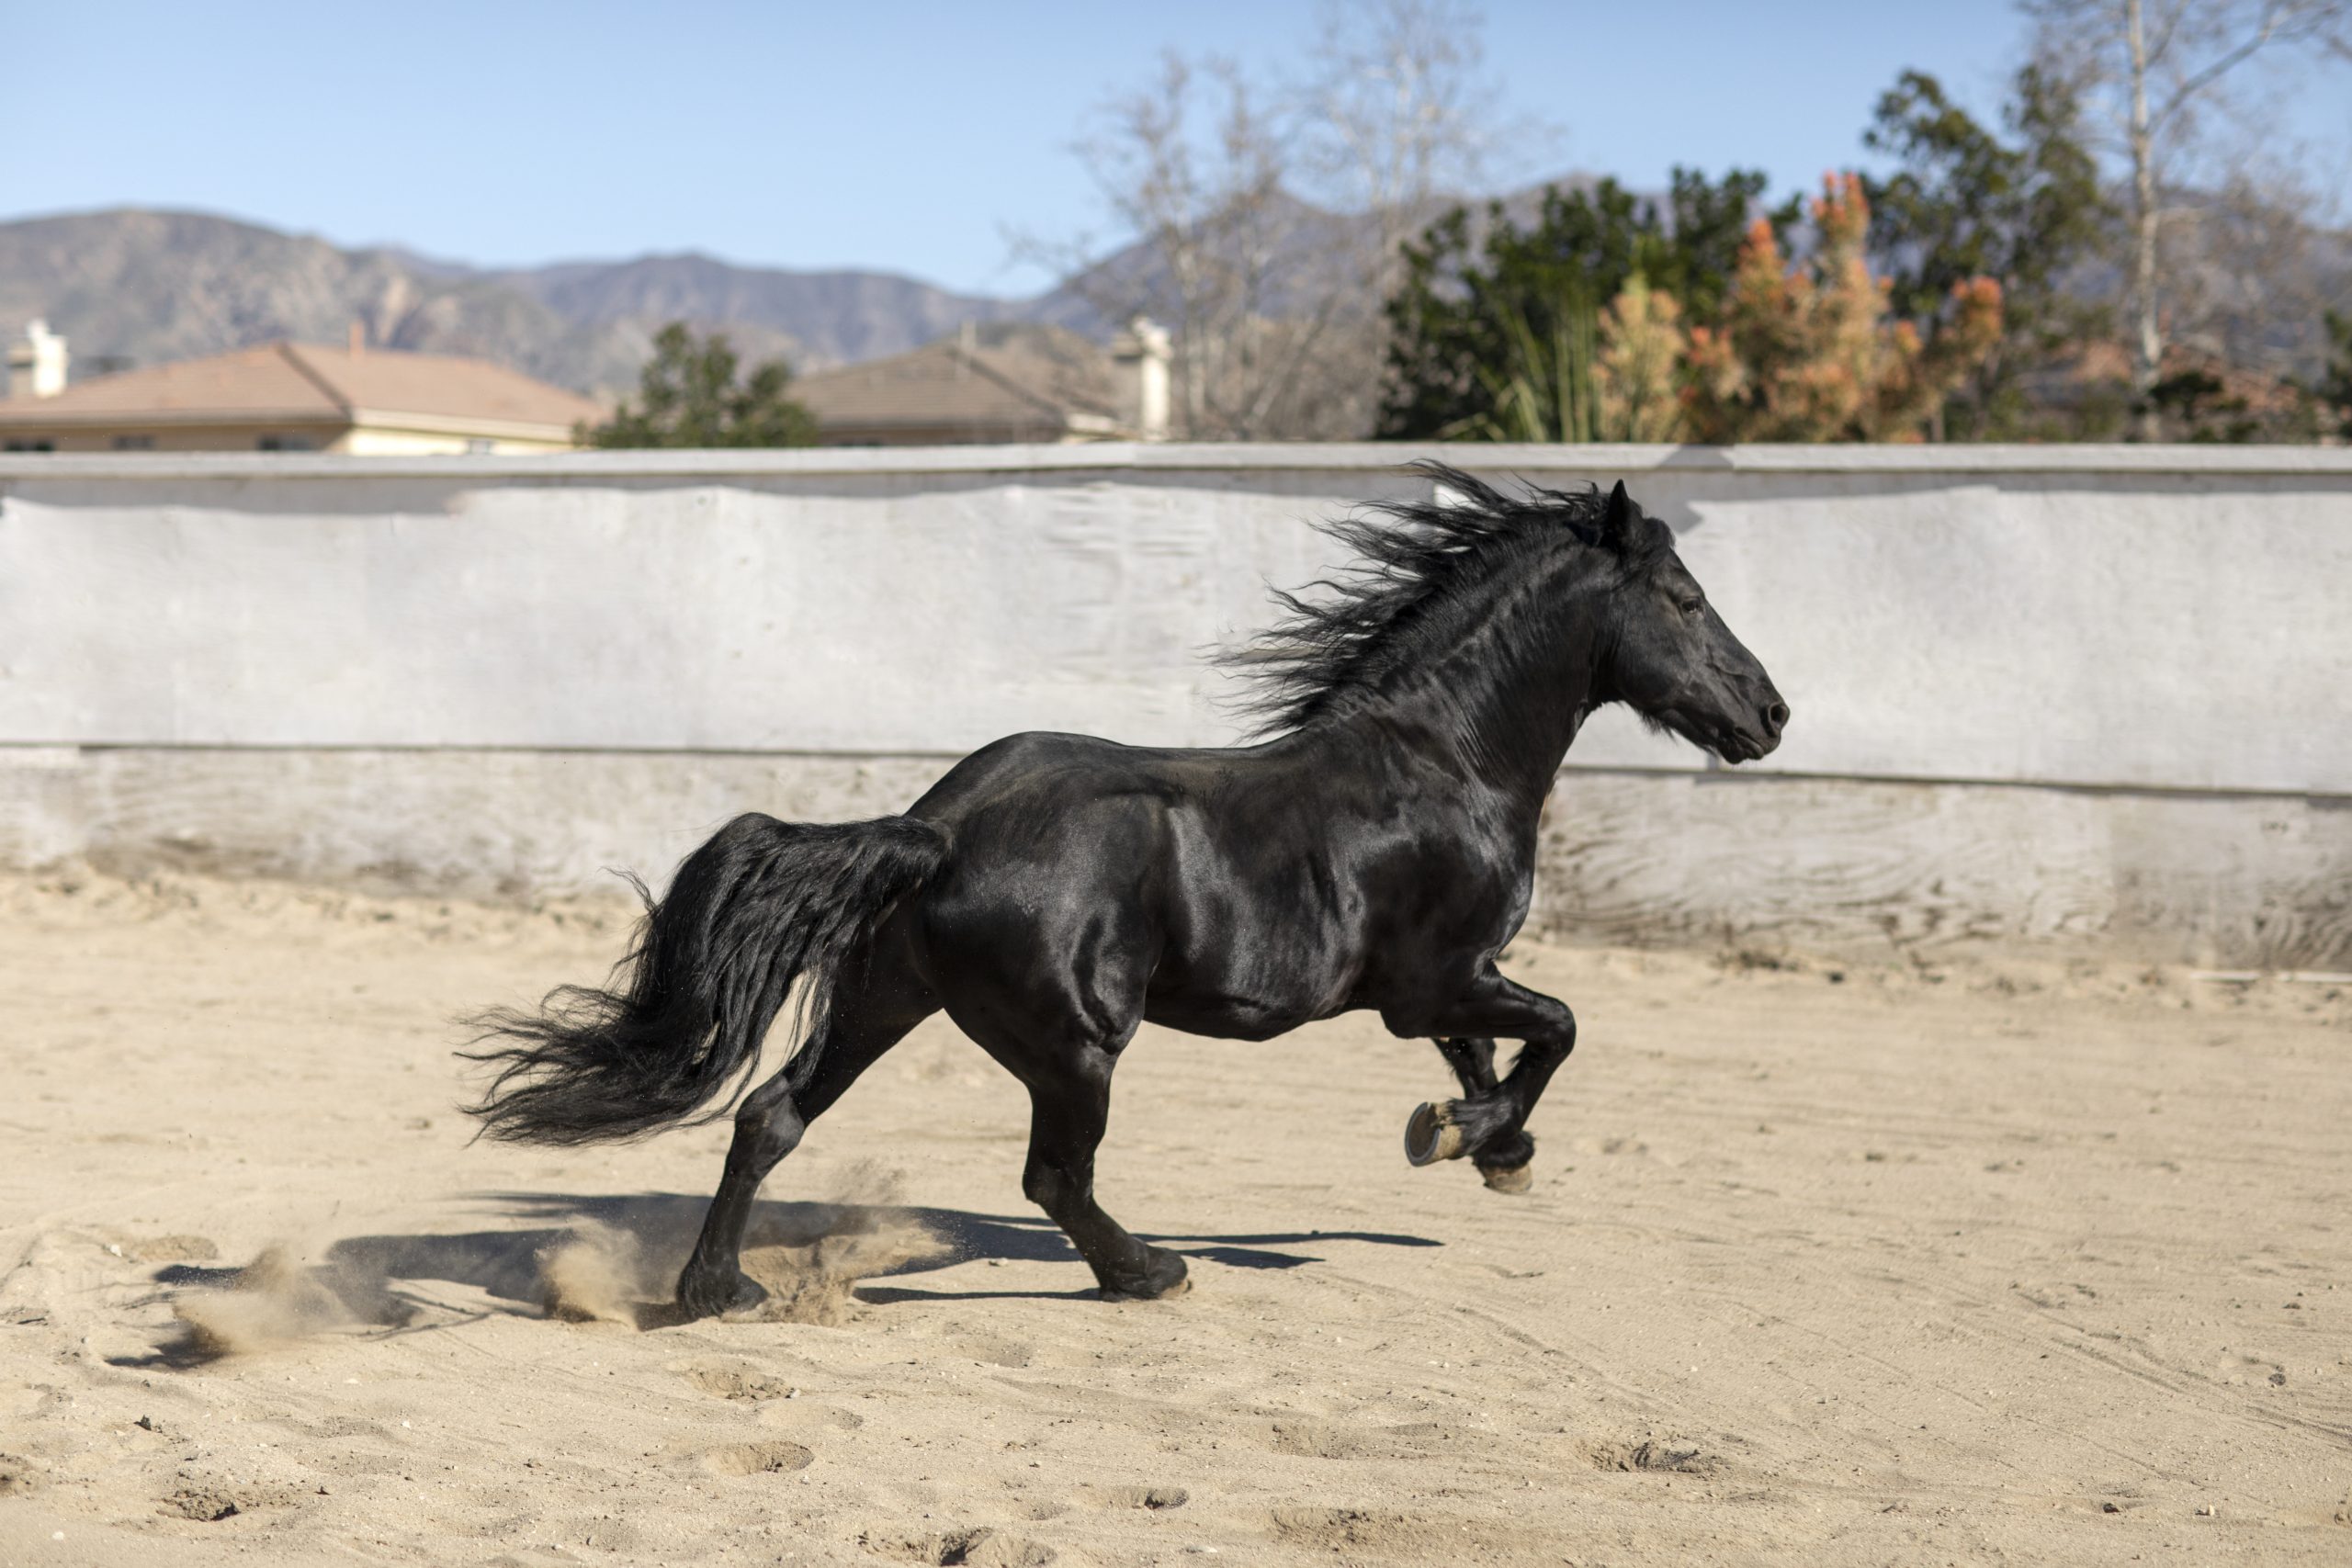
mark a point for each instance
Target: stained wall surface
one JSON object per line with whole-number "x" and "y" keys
{"x": 2104, "y": 687}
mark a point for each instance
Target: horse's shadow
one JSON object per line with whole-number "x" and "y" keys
{"x": 375, "y": 1277}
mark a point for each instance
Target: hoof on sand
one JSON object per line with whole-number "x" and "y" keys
{"x": 1181, "y": 1288}
{"x": 1164, "y": 1275}
{"x": 712, "y": 1293}
{"x": 1431, "y": 1135}
{"x": 1507, "y": 1177}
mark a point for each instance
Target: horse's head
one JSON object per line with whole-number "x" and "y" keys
{"x": 1671, "y": 658}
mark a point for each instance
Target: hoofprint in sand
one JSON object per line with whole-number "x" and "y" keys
{"x": 1908, "y": 1261}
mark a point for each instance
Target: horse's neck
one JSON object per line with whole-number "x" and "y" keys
{"x": 1503, "y": 706}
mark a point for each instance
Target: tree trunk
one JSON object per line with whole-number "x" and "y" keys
{"x": 2149, "y": 358}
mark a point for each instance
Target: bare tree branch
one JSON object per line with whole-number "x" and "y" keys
{"x": 1267, "y": 218}
{"x": 2156, "y": 64}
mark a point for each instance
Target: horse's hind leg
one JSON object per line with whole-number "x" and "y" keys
{"x": 768, "y": 1125}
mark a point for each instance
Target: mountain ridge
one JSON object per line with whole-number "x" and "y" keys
{"x": 141, "y": 285}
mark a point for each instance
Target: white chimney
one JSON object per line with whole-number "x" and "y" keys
{"x": 36, "y": 365}
{"x": 1139, "y": 357}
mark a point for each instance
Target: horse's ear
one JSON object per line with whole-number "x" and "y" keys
{"x": 1618, "y": 518}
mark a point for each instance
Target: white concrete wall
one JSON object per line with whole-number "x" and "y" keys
{"x": 2151, "y": 620}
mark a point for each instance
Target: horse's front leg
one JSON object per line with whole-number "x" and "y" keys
{"x": 1070, "y": 1107}
{"x": 1489, "y": 1123}
{"x": 1472, "y": 1061}
{"x": 1502, "y": 1159}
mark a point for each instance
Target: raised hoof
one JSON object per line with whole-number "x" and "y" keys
{"x": 1431, "y": 1135}
{"x": 715, "y": 1295}
{"x": 1507, "y": 1177}
{"x": 1163, "y": 1275}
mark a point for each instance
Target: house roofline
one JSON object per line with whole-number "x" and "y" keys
{"x": 32, "y": 419}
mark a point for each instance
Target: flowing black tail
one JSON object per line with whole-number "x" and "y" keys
{"x": 762, "y": 905}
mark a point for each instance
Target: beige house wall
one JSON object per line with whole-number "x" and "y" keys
{"x": 394, "y": 441}
{"x": 848, "y": 434}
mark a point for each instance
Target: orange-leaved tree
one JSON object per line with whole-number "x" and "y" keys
{"x": 1810, "y": 352}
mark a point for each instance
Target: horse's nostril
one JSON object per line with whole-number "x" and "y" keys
{"x": 1776, "y": 717}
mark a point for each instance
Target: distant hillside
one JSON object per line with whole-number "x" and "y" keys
{"x": 143, "y": 287}
{"x": 836, "y": 317}
{"x": 140, "y": 287}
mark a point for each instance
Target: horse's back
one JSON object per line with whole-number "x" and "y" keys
{"x": 1087, "y": 804}
{"x": 1022, "y": 771}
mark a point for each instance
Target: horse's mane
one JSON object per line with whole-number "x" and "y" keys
{"x": 1403, "y": 595}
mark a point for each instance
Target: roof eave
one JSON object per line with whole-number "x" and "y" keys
{"x": 39, "y": 418}
{"x": 325, "y": 418}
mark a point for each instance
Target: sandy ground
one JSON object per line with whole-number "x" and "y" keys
{"x": 1822, "y": 1265}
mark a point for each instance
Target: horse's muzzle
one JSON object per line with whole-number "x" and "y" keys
{"x": 1746, "y": 742}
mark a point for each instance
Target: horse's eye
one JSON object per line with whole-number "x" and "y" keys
{"x": 1692, "y": 607}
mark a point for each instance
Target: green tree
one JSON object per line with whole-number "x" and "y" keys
{"x": 1965, "y": 204}
{"x": 1491, "y": 338}
{"x": 1543, "y": 388}
{"x": 2197, "y": 405}
{"x": 1615, "y": 375}
{"x": 688, "y": 395}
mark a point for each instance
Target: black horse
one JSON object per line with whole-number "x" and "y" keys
{"x": 1055, "y": 891}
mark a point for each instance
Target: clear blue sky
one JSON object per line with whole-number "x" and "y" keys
{"x": 905, "y": 137}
